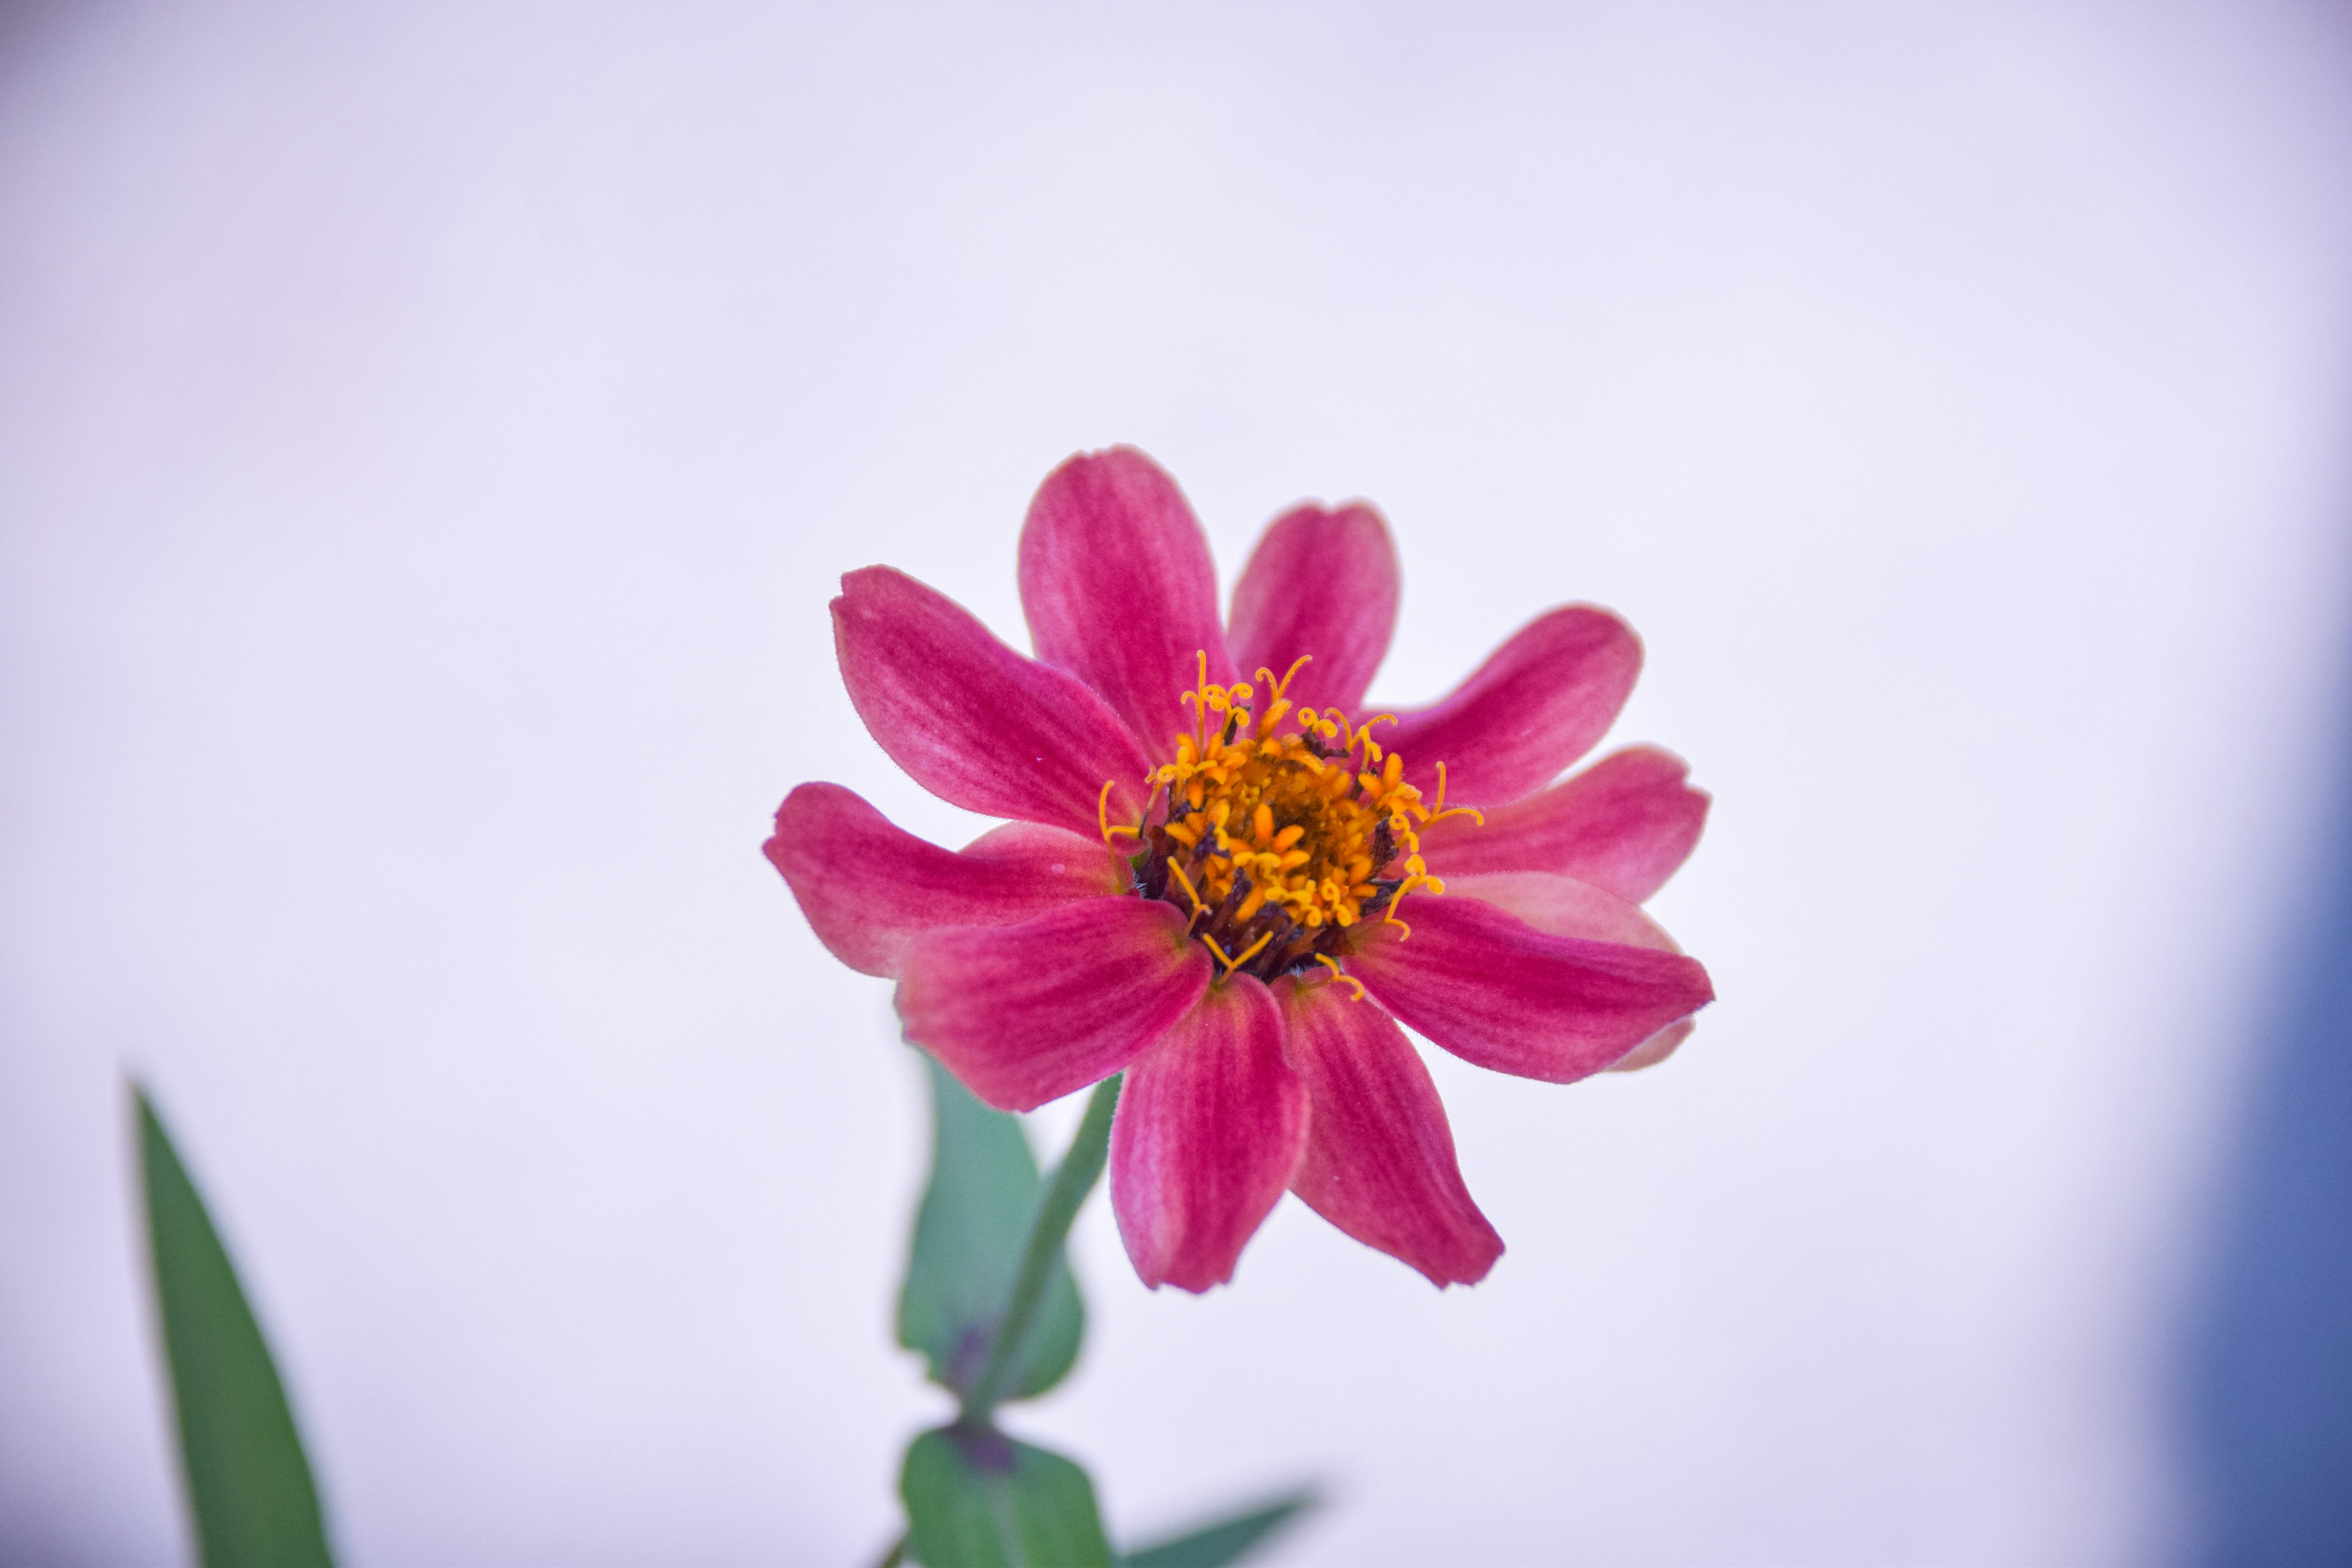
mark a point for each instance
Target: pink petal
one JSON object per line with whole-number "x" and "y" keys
{"x": 1209, "y": 1129}
{"x": 1024, "y": 1014}
{"x": 972, "y": 720}
{"x": 1493, "y": 990}
{"x": 1543, "y": 700}
{"x": 1380, "y": 1157}
{"x": 1656, "y": 1048}
{"x": 1119, "y": 590}
{"x": 1319, "y": 583}
{"x": 1565, "y": 907}
{"x": 868, "y": 887}
{"x": 1626, "y": 824}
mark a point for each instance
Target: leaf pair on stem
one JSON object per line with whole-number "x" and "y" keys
{"x": 990, "y": 1304}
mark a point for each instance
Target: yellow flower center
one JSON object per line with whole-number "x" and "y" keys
{"x": 1277, "y": 841}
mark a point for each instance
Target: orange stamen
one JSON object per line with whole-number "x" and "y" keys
{"x": 1441, "y": 811}
{"x": 1198, "y": 908}
{"x": 1339, "y": 973}
{"x": 1251, "y": 951}
{"x": 1102, "y": 818}
{"x": 1271, "y": 825}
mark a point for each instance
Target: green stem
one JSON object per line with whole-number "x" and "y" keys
{"x": 1057, "y": 1206}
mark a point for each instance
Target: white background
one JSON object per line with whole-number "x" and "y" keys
{"x": 428, "y": 439}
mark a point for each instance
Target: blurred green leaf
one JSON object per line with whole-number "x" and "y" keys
{"x": 967, "y": 1241}
{"x": 1228, "y": 1540}
{"x": 976, "y": 1499}
{"x": 249, "y": 1485}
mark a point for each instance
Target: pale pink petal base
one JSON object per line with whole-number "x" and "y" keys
{"x": 1323, "y": 583}
{"x": 972, "y": 720}
{"x": 1656, "y": 1048}
{"x": 1541, "y": 700}
{"x": 1028, "y": 1013}
{"x": 1380, "y": 1157}
{"x": 1561, "y": 905}
{"x": 1626, "y": 823}
{"x": 1210, "y": 1126}
{"x": 868, "y": 888}
{"x": 1495, "y": 991}
{"x": 1119, "y": 589}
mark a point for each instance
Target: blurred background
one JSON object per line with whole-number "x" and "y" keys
{"x": 429, "y": 436}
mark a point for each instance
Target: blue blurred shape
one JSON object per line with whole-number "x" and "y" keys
{"x": 2270, "y": 1375}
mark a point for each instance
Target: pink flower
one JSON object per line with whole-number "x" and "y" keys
{"x": 1212, "y": 856}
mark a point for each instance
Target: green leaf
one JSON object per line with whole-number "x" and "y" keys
{"x": 1228, "y": 1540}
{"x": 968, "y": 1242}
{"x": 976, "y": 1499}
{"x": 249, "y": 1485}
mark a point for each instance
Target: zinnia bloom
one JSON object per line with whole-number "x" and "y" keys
{"x": 1225, "y": 877}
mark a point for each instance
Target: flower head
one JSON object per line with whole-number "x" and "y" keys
{"x": 1226, "y": 878}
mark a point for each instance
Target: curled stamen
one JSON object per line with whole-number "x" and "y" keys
{"x": 1199, "y": 708}
{"x": 1327, "y": 961}
{"x": 1251, "y": 951}
{"x": 1268, "y": 676}
{"x": 1199, "y": 909}
{"x": 1417, "y": 880}
{"x": 1102, "y": 818}
{"x": 1440, "y": 811}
